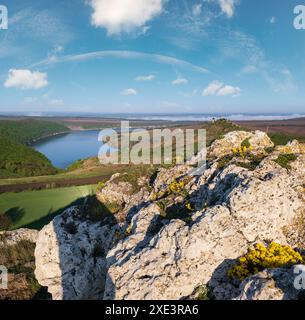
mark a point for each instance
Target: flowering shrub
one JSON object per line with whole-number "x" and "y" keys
{"x": 242, "y": 150}
{"x": 176, "y": 187}
{"x": 262, "y": 257}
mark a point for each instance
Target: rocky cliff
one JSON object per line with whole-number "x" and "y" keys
{"x": 178, "y": 233}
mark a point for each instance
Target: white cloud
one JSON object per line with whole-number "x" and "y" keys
{"x": 118, "y": 16}
{"x": 212, "y": 88}
{"x": 217, "y": 88}
{"x": 149, "y": 77}
{"x": 228, "y": 7}
{"x": 229, "y": 91}
{"x": 196, "y": 9}
{"x": 179, "y": 81}
{"x": 26, "y": 79}
{"x": 129, "y": 92}
{"x": 272, "y": 20}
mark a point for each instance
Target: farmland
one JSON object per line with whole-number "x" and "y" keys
{"x": 34, "y": 209}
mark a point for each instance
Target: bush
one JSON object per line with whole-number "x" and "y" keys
{"x": 284, "y": 160}
{"x": 262, "y": 257}
{"x": 246, "y": 143}
{"x": 5, "y": 222}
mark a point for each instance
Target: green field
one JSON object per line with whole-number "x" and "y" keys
{"x": 34, "y": 209}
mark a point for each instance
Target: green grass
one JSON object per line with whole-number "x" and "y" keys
{"x": 34, "y": 209}
{"x": 281, "y": 139}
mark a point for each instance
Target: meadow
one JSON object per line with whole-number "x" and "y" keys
{"x": 34, "y": 209}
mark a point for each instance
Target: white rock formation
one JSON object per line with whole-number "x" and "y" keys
{"x": 159, "y": 258}
{"x": 244, "y": 207}
{"x": 259, "y": 141}
{"x": 70, "y": 256}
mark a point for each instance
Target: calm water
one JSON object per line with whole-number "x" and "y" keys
{"x": 65, "y": 149}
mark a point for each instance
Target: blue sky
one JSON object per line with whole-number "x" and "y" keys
{"x": 154, "y": 56}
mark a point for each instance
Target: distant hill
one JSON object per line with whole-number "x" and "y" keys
{"x": 29, "y": 130}
{"x": 17, "y": 159}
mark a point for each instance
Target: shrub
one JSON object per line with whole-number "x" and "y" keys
{"x": 20, "y": 261}
{"x": 254, "y": 161}
{"x": 5, "y": 222}
{"x": 262, "y": 257}
{"x": 284, "y": 160}
{"x": 203, "y": 293}
{"x": 246, "y": 143}
{"x": 224, "y": 161}
{"x": 101, "y": 185}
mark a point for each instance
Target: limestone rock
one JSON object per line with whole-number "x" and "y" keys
{"x": 115, "y": 192}
{"x": 292, "y": 147}
{"x": 243, "y": 208}
{"x": 70, "y": 256}
{"x": 258, "y": 140}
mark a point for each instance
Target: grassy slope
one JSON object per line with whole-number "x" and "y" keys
{"x": 26, "y": 131}
{"x": 34, "y": 209}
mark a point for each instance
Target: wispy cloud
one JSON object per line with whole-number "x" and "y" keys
{"x": 237, "y": 45}
{"x": 179, "y": 81}
{"x": 123, "y": 55}
{"x": 149, "y": 77}
{"x": 197, "y": 9}
{"x": 129, "y": 92}
{"x": 249, "y": 69}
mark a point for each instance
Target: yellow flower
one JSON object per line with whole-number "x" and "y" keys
{"x": 262, "y": 257}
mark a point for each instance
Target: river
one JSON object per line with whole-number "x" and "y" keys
{"x": 63, "y": 150}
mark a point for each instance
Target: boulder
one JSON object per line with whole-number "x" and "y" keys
{"x": 259, "y": 141}
{"x": 115, "y": 192}
{"x": 70, "y": 256}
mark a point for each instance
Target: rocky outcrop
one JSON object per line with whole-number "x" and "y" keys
{"x": 151, "y": 255}
{"x": 276, "y": 284}
{"x": 247, "y": 207}
{"x": 13, "y": 237}
{"x": 258, "y": 140}
{"x": 70, "y": 256}
{"x": 115, "y": 192}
